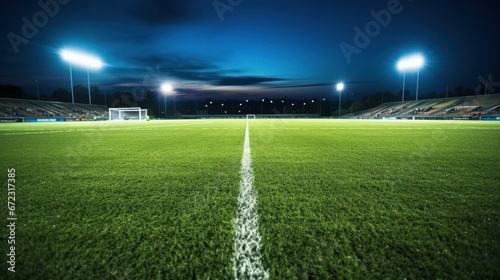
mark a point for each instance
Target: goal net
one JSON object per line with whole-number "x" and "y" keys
{"x": 125, "y": 114}
{"x": 250, "y": 116}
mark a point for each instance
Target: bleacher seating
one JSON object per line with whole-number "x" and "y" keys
{"x": 10, "y": 107}
{"x": 456, "y": 106}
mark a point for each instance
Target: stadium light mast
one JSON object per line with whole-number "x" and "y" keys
{"x": 404, "y": 81}
{"x": 448, "y": 87}
{"x": 166, "y": 88}
{"x": 412, "y": 62}
{"x": 175, "y": 109}
{"x": 71, "y": 80}
{"x": 340, "y": 88}
{"x": 320, "y": 99}
{"x": 352, "y": 95}
{"x": 37, "y": 90}
{"x": 83, "y": 60}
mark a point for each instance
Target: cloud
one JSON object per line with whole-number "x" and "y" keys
{"x": 192, "y": 93}
{"x": 246, "y": 81}
{"x": 201, "y": 69}
{"x": 302, "y": 85}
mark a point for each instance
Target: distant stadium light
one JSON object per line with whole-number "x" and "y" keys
{"x": 340, "y": 87}
{"x": 166, "y": 88}
{"x": 83, "y": 60}
{"x": 412, "y": 62}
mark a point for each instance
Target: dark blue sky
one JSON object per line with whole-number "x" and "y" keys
{"x": 253, "y": 48}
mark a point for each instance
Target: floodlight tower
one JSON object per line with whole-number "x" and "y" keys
{"x": 320, "y": 99}
{"x": 402, "y": 68}
{"x": 340, "y": 88}
{"x": 412, "y": 62}
{"x": 83, "y": 60}
{"x": 37, "y": 90}
{"x": 166, "y": 88}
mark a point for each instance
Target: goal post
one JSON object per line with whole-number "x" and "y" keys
{"x": 251, "y": 116}
{"x": 125, "y": 114}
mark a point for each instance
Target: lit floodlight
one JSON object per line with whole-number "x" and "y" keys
{"x": 340, "y": 86}
{"x": 167, "y": 88}
{"x": 411, "y": 62}
{"x": 82, "y": 59}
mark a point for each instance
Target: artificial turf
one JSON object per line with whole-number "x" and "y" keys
{"x": 336, "y": 199}
{"x": 372, "y": 199}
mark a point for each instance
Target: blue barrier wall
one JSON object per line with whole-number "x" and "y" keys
{"x": 490, "y": 118}
{"x": 44, "y": 119}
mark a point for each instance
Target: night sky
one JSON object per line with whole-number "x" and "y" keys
{"x": 250, "y": 48}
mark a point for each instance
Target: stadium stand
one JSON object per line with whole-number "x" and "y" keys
{"x": 467, "y": 106}
{"x": 25, "y": 108}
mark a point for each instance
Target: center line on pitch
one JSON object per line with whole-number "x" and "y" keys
{"x": 247, "y": 259}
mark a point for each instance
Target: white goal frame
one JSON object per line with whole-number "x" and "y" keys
{"x": 251, "y": 116}
{"x": 121, "y": 114}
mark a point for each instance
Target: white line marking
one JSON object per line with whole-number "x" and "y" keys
{"x": 144, "y": 127}
{"x": 247, "y": 260}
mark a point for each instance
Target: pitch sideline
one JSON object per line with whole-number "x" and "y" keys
{"x": 247, "y": 262}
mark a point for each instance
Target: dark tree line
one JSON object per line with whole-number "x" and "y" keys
{"x": 10, "y": 91}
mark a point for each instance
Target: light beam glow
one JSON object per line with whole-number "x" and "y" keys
{"x": 340, "y": 86}
{"x": 167, "y": 88}
{"x": 81, "y": 59}
{"x": 413, "y": 62}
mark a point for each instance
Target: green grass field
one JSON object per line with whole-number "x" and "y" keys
{"x": 336, "y": 199}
